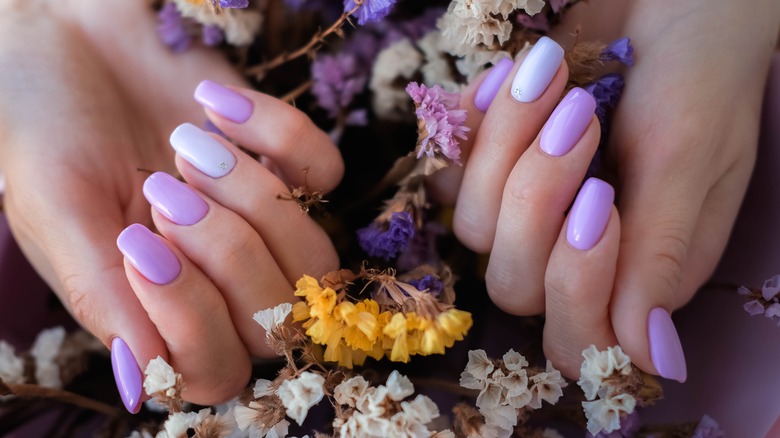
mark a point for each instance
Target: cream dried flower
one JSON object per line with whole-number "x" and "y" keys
{"x": 604, "y": 414}
{"x": 262, "y": 388}
{"x": 599, "y": 365}
{"x": 160, "y": 378}
{"x": 547, "y": 386}
{"x": 500, "y": 421}
{"x": 396, "y": 63}
{"x": 349, "y": 391}
{"x": 514, "y": 361}
{"x": 422, "y": 409}
{"x": 11, "y": 366}
{"x": 239, "y": 25}
{"x": 479, "y": 365}
{"x": 273, "y": 317}
{"x": 45, "y": 350}
{"x": 299, "y": 395}
{"x": 178, "y": 423}
{"x": 399, "y": 386}
{"x": 492, "y": 392}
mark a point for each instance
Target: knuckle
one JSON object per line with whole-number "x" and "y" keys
{"x": 81, "y": 305}
{"x": 670, "y": 256}
{"x": 520, "y": 193}
{"x": 513, "y": 296}
{"x": 473, "y": 233}
{"x": 297, "y": 125}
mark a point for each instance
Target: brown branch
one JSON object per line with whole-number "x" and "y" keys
{"x": 260, "y": 70}
{"x": 295, "y": 93}
{"x": 35, "y": 391}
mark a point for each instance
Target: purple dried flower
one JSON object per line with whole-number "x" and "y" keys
{"x": 753, "y": 307}
{"x": 370, "y": 10}
{"x": 422, "y": 247}
{"x": 172, "y": 28}
{"x": 619, "y": 50}
{"x": 708, "y": 428}
{"x": 212, "y": 35}
{"x": 337, "y": 80}
{"x": 538, "y": 22}
{"x": 234, "y": 3}
{"x": 439, "y": 120}
{"x": 386, "y": 243}
{"x": 606, "y": 90}
{"x": 431, "y": 283}
{"x": 773, "y": 311}
{"x": 771, "y": 288}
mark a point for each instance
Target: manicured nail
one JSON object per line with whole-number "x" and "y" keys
{"x": 224, "y": 101}
{"x": 147, "y": 253}
{"x": 489, "y": 88}
{"x": 202, "y": 151}
{"x": 174, "y": 199}
{"x": 568, "y": 122}
{"x": 665, "y": 347}
{"x": 129, "y": 379}
{"x": 537, "y": 70}
{"x": 590, "y": 214}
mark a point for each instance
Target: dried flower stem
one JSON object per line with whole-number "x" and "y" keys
{"x": 295, "y": 93}
{"x": 35, "y": 391}
{"x": 309, "y": 48}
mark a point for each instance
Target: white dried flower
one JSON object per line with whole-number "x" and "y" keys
{"x": 279, "y": 430}
{"x": 299, "y": 395}
{"x": 517, "y": 393}
{"x": 239, "y": 25}
{"x": 349, "y": 391}
{"x": 179, "y": 423}
{"x": 271, "y": 318}
{"x": 262, "y": 388}
{"x": 491, "y": 394}
{"x": 436, "y": 68}
{"x": 446, "y": 433}
{"x": 396, "y": 63}
{"x": 479, "y": 365}
{"x": 160, "y": 377}
{"x": 598, "y": 365}
{"x": 422, "y": 409}
{"x": 399, "y": 386}
{"x": 11, "y": 366}
{"x": 45, "y": 350}
{"x": 547, "y": 386}
{"x": 514, "y": 361}
{"x": 604, "y": 414}
{"x": 551, "y": 433}
{"x": 501, "y": 419}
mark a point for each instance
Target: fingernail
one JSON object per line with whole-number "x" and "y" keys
{"x": 202, "y": 151}
{"x": 148, "y": 254}
{"x": 665, "y": 347}
{"x": 128, "y": 377}
{"x": 568, "y": 122}
{"x": 537, "y": 70}
{"x": 489, "y": 88}
{"x": 590, "y": 214}
{"x": 174, "y": 199}
{"x": 224, "y": 101}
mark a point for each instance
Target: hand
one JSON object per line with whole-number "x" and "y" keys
{"x": 88, "y": 102}
{"x": 677, "y": 201}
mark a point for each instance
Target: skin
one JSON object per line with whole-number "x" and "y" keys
{"x": 110, "y": 95}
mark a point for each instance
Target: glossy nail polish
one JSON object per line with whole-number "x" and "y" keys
{"x": 537, "y": 70}
{"x": 148, "y": 254}
{"x": 174, "y": 199}
{"x": 568, "y": 122}
{"x": 128, "y": 377}
{"x": 224, "y": 101}
{"x": 489, "y": 87}
{"x": 665, "y": 347}
{"x": 202, "y": 151}
{"x": 590, "y": 213}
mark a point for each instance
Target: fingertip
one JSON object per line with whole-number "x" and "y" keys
{"x": 228, "y": 103}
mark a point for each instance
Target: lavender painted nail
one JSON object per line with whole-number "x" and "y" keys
{"x": 537, "y": 70}
{"x": 224, "y": 101}
{"x": 127, "y": 375}
{"x": 665, "y": 347}
{"x": 202, "y": 151}
{"x": 489, "y": 88}
{"x": 148, "y": 254}
{"x": 174, "y": 199}
{"x": 590, "y": 214}
{"x": 568, "y": 122}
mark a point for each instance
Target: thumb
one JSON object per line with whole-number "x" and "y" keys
{"x": 77, "y": 246}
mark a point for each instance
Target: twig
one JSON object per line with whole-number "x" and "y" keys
{"x": 260, "y": 70}
{"x": 35, "y": 391}
{"x": 295, "y": 93}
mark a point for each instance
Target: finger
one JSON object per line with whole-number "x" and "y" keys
{"x": 236, "y": 181}
{"x": 87, "y": 272}
{"x": 189, "y": 313}
{"x": 510, "y": 126}
{"x": 540, "y": 188}
{"x": 580, "y": 277}
{"x": 226, "y": 248}
{"x": 443, "y": 186}
{"x": 272, "y": 128}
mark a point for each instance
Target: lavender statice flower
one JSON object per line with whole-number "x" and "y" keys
{"x": 440, "y": 121}
{"x": 172, "y": 28}
{"x": 708, "y": 428}
{"x": 765, "y": 301}
{"x": 771, "y": 288}
{"x": 386, "y": 243}
{"x": 431, "y": 283}
{"x": 337, "y": 80}
{"x": 619, "y": 50}
{"x": 606, "y": 90}
{"x": 234, "y": 3}
{"x": 370, "y": 10}
{"x": 212, "y": 35}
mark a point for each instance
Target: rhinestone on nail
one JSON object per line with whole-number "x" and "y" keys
{"x": 222, "y": 165}
{"x": 517, "y": 92}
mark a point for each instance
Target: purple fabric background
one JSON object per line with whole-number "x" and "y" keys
{"x": 732, "y": 358}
